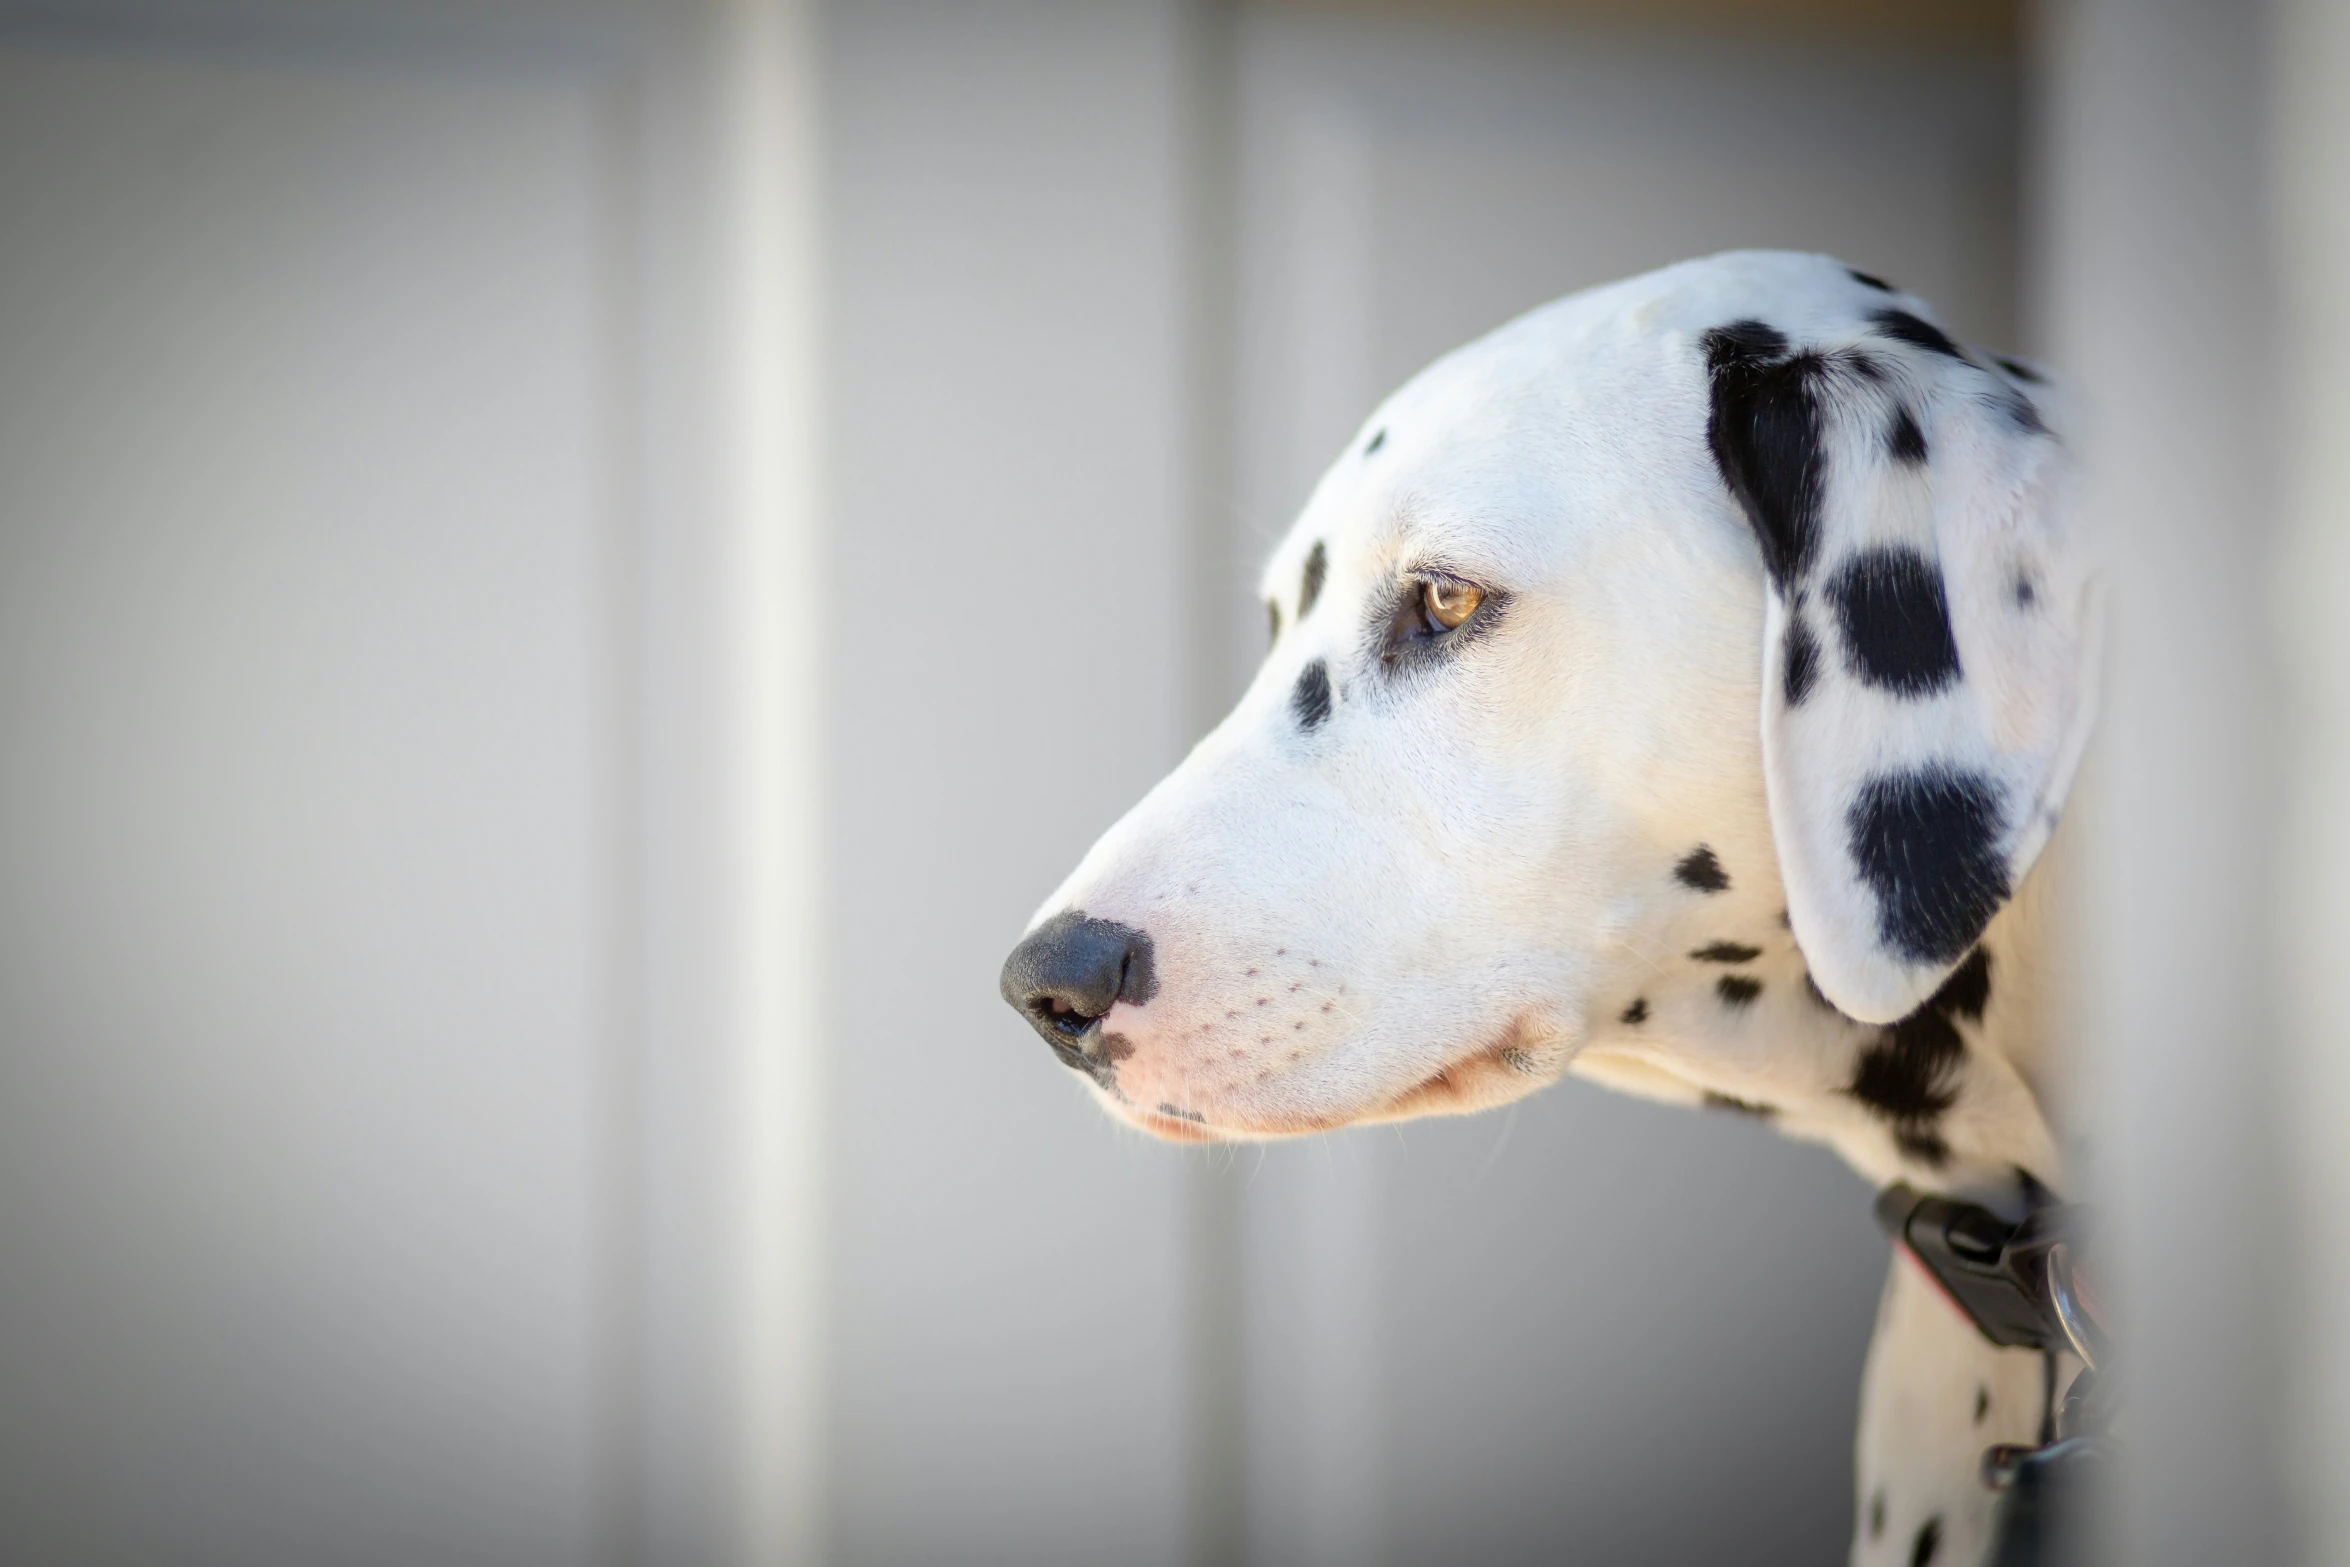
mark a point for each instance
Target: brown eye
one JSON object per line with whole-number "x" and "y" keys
{"x": 1448, "y": 603}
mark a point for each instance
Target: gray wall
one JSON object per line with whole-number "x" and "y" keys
{"x": 387, "y": 1164}
{"x": 311, "y": 840}
{"x": 2156, "y": 210}
{"x": 1010, "y": 1361}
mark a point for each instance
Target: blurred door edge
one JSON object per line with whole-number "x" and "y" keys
{"x": 732, "y": 517}
{"x": 709, "y": 512}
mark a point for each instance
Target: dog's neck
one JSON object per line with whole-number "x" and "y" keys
{"x": 1719, "y": 1009}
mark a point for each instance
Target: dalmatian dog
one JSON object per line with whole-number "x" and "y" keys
{"x": 1677, "y": 687}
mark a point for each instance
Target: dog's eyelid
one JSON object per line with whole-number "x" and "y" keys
{"x": 1443, "y": 574}
{"x": 1437, "y": 566}
{"x": 1442, "y": 569}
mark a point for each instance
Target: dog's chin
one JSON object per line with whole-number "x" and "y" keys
{"x": 1500, "y": 1072}
{"x": 1496, "y": 1076}
{"x": 1169, "y": 1129}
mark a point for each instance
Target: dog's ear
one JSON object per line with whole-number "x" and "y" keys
{"x": 1930, "y": 640}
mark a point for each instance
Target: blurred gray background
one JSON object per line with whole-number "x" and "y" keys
{"x": 511, "y": 803}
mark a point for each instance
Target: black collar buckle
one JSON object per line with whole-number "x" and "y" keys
{"x": 2021, "y": 1284}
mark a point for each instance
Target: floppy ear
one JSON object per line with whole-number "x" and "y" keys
{"x": 1930, "y": 640}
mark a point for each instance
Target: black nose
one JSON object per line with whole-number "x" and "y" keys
{"x": 1068, "y": 973}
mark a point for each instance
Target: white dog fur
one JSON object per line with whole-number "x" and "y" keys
{"x": 1623, "y": 821}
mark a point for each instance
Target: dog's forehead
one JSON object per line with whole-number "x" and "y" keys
{"x": 1589, "y": 412}
{"x": 1489, "y": 461}
{"x": 1464, "y": 475}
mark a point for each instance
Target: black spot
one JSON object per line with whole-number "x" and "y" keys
{"x": 2025, "y": 593}
{"x": 2022, "y": 372}
{"x": 1377, "y": 440}
{"x": 1967, "y": 989}
{"x": 1273, "y": 617}
{"x": 1877, "y": 1514}
{"x": 1904, "y": 441}
{"x": 1802, "y": 656}
{"x": 1982, "y": 1402}
{"x": 1907, "y": 1074}
{"x": 1765, "y": 434}
{"x": 1871, "y": 280}
{"x": 1901, "y": 326}
{"x": 1929, "y": 1541}
{"x": 1699, "y": 869}
{"x": 1311, "y": 699}
{"x": 2020, "y": 412}
{"x": 1896, "y": 620}
{"x": 1744, "y": 339}
{"x": 1309, "y": 586}
{"x": 1862, "y": 364}
{"x": 1179, "y": 1114}
{"x": 1924, "y": 1145}
{"x": 1926, "y": 844}
{"x": 1637, "y": 1012}
{"x": 1738, "y": 1106}
{"x": 1736, "y": 990}
{"x": 1726, "y": 952}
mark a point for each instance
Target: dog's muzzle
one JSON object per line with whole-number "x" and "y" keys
{"x": 1065, "y": 977}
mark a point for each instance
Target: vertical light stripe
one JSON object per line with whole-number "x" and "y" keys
{"x": 2157, "y": 293}
{"x": 773, "y": 500}
{"x": 2311, "y": 181}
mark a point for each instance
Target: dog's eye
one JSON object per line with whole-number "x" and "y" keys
{"x": 1448, "y": 603}
{"x": 1433, "y": 614}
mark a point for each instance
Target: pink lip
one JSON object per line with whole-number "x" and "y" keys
{"x": 1170, "y": 1129}
{"x": 1451, "y": 1089}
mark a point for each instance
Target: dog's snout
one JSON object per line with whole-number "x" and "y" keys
{"x": 1069, "y": 972}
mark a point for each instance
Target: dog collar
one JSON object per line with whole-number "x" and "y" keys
{"x": 2021, "y": 1284}
{"x": 2023, "y": 1287}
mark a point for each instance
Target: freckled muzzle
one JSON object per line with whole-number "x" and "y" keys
{"x": 1067, "y": 974}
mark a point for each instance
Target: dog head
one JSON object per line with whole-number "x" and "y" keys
{"x": 1736, "y": 580}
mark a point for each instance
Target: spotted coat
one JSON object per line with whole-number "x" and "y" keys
{"x": 1678, "y": 687}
